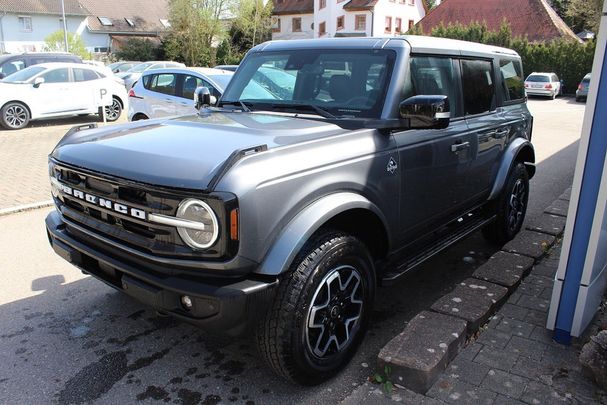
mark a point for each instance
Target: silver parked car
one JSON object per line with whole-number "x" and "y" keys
{"x": 134, "y": 73}
{"x": 582, "y": 89}
{"x": 167, "y": 92}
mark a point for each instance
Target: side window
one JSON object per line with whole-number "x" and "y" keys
{"x": 512, "y": 80}
{"x": 56, "y": 76}
{"x": 478, "y": 86}
{"x": 11, "y": 67}
{"x": 432, "y": 76}
{"x": 162, "y": 83}
{"x": 84, "y": 75}
{"x": 190, "y": 83}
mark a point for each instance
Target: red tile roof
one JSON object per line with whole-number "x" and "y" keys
{"x": 534, "y": 19}
{"x": 144, "y": 14}
{"x": 282, "y": 7}
{"x": 72, "y": 7}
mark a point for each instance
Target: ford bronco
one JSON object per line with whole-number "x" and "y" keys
{"x": 328, "y": 168}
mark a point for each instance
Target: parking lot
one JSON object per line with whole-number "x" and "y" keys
{"x": 67, "y": 338}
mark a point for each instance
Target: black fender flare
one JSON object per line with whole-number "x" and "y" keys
{"x": 519, "y": 150}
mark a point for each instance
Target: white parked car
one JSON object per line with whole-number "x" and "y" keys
{"x": 543, "y": 84}
{"x": 53, "y": 90}
{"x": 169, "y": 92}
{"x": 131, "y": 76}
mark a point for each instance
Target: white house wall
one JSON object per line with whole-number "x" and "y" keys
{"x": 406, "y": 12}
{"x": 286, "y": 27}
{"x": 16, "y": 41}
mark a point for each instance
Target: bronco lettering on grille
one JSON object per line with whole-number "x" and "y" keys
{"x": 100, "y": 201}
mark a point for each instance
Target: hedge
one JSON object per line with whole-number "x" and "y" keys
{"x": 569, "y": 59}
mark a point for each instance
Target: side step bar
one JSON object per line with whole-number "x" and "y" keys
{"x": 464, "y": 226}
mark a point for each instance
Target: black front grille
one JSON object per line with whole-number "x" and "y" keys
{"x": 136, "y": 233}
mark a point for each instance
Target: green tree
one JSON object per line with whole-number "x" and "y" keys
{"x": 196, "y": 26}
{"x": 430, "y": 4}
{"x": 586, "y": 14}
{"x": 55, "y": 43}
{"x": 138, "y": 49}
{"x": 253, "y": 23}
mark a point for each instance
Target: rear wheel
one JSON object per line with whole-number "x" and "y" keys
{"x": 14, "y": 115}
{"x": 112, "y": 111}
{"x": 321, "y": 310}
{"x": 511, "y": 207}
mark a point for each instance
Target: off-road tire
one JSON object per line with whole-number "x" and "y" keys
{"x": 282, "y": 335}
{"x": 502, "y": 229}
{"x": 14, "y": 115}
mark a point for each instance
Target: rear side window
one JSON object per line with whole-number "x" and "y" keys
{"x": 512, "y": 80}
{"x": 478, "y": 86}
{"x": 84, "y": 75}
{"x": 161, "y": 83}
{"x": 431, "y": 76}
{"x": 8, "y": 68}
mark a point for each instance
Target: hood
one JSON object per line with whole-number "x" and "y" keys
{"x": 183, "y": 152}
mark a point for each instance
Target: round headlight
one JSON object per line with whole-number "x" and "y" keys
{"x": 199, "y": 213}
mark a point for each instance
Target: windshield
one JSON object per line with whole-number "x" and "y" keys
{"x": 139, "y": 68}
{"x": 221, "y": 80}
{"x": 23, "y": 75}
{"x": 344, "y": 83}
{"x": 538, "y": 78}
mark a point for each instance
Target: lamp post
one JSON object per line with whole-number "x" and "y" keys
{"x": 64, "y": 25}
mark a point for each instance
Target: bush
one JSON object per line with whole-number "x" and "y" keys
{"x": 139, "y": 49}
{"x": 569, "y": 59}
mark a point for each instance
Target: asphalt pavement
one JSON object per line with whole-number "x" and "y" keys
{"x": 67, "y": 338}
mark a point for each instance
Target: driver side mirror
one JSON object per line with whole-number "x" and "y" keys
{"x": 38, "y": 81}
{"x": 203, "y": 98}
{"x": 2, "y": 76}
{"x": 426, "y": 112}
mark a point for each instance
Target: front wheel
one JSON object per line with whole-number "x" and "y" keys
{"x": 14, "y": 115}
{"x": 511, "y": 207}
{"x": 321, "y": 310}
{"x": 112, "y": 111}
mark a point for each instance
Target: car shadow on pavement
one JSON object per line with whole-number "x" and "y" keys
{"x": 77, "y": 120}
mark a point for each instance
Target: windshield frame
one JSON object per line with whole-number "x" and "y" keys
{"x": 338, "y": 111}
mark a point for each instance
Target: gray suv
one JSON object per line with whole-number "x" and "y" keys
{"x": 328, "y": 168}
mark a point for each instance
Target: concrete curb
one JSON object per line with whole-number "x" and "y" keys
{"x": 501, "y": 275}
{"x": 26, "y": 207}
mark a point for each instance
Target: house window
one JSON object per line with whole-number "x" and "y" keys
{"x": 322, "y": 4}
{"x": 340, "y": 23}
{"x": 297, "y": 24}
{"x": 25, "y": 24}
{"x": 398, "y": 24}
{"x": 322, "y": 29}
{"x": 130, "y": 22}
{"x": 411, "y": 24}
{"x": 106, "y": 22}
{"x": 388, "y": 28}
{"x": 275, "y": 24}
{"x": 360, "y": 22}
{"x": 103, "y": 49}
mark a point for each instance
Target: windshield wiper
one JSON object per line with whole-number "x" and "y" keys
{"x": 240, "y": 103}
{"x": 307, "y": 107}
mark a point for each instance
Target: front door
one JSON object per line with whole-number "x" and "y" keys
{"x": 434, "y": 162}
{"x": 53, "y": 97}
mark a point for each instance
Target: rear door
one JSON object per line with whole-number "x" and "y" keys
{"x": 87, "y": 87}
{"x": 486, "y": 122}
{"x": 161, "y": 95}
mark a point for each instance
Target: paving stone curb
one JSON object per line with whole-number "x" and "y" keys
{"x": 474, "y": 301}
{"x": 26, "y": 207}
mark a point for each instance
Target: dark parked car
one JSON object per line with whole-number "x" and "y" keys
{"x": 281, "y": 213}
{"x": 582, "y": 89}
{"x": 12, "y": 63}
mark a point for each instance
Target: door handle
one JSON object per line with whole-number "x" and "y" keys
{"x": 456, "y": 147}
{"x": 502, "y": 133}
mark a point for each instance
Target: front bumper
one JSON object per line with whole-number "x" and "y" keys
{"x": 223, "y": 306}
